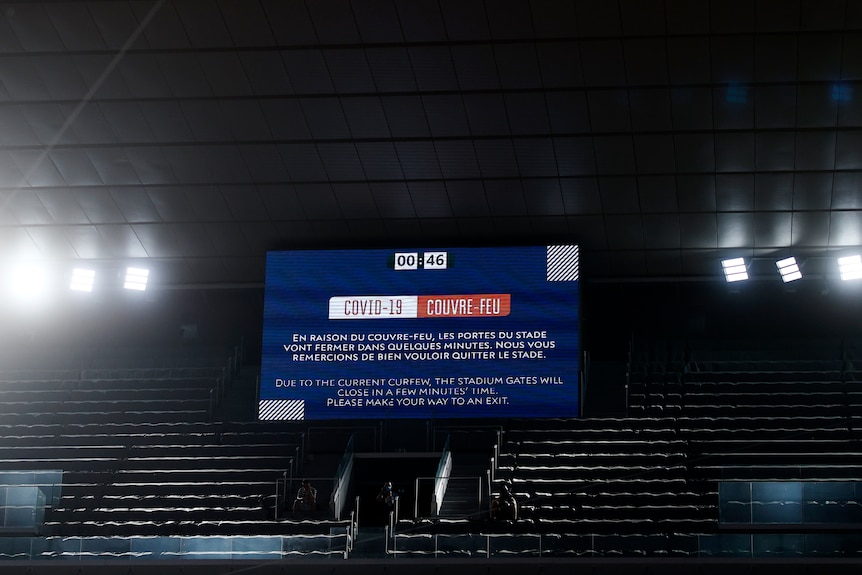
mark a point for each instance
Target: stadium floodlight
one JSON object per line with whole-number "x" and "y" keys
{"x": 82, "y": 280}
{"x": 789, "y": 269}
{"x": 27, "y": 282}
{"x": 850, "y": 267}
{"x": 734, "y": 270}
{"x": 136, "y": 279}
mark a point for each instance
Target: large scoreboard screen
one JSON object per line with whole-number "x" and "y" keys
{"x": 421, "y": 333}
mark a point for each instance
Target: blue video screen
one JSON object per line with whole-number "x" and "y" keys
{"x": 472, "y": 332}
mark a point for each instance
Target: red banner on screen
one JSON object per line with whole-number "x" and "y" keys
{"x": 465, "y": 305}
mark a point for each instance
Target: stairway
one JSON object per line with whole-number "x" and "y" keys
{"x": 463, "y": 491}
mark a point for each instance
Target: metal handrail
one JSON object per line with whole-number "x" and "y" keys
{"x": 356, "y": 515}
{"x": 393, "y": 516}
{"x": 441, "y": 481}
{"x": 281, "y": 488}
{"x": 342, "y": 478}
{"x": 386, "y": 540}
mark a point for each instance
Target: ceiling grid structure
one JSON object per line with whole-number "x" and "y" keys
{"x": 662, "y": 136}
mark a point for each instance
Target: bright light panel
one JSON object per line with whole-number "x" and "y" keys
{"x": 27, "y": 282}
{"x": 82, "y": 280}
{"x": 734, "y": 270}
{"x": 136, "y": 279}
{"x": 850, "y": 267}
{"x": 789, "y": 269}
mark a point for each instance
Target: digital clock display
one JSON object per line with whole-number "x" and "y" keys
{"x": 420, "y": 260}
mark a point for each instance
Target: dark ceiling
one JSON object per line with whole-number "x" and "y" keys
{"x": 192, "y": 136}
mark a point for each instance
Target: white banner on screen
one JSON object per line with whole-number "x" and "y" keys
{"x": 373, "y": 307}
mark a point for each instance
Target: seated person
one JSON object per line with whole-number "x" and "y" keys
{"x": 306, "y": 498}
{"x": 504, "y": 507}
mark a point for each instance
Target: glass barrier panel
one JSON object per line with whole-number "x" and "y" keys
{"x": 257, "y": 548}
{"x": 16, "y": 548}
{"x": 831, "y": 502}
{"x": 339, "y": 538}
{"x": 50, "y": 482}
{"x": 776, "y": 502}
{"x": 766, "y": 545}
{"x": 778, "y": 545}
{"x": 24, "y": 496}
{"x": 734, "y": 502}
{"x": 39, "y": 508}
{"x": 17, "y": 478}
{"x": 156, "y": 547}
{"x": 106, "y": 547}
{"x": 205, "y": 548}
{"x": 833, "y": 545}
{"x": 308, "y": 545}
{"x": 3, "y": 506}
{"x": 21, "y": 504}
{"x": 791, "y": 502}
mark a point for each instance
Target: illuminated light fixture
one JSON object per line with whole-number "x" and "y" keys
{"x": 734, "y": 270}
{"x": 82, "y": 280}
{"x": 789, "y": 269}
{"x": 850, "y": 267}
{"x": 27, "y": 282}
{"x": 136, "y": 279}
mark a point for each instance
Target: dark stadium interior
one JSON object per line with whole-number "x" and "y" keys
{"x": 720, "y": 426}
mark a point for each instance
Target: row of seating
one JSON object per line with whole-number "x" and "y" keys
{"x": 609, "y": 475}
{"x": 755, "y": 411}
{"x": 15, "y": 376}
{"x": 534, "y": 544}
{"x": 144, "y": 472}
{"x": 118, "y": 412}
{"x": 140, "y": 453}
{"x": 692, "y": 397}
{"x": 697, "y": 416}
{"x": 102, "y": 548}
{"x": 180, "y": 521}
{"x": 117, "y": 356}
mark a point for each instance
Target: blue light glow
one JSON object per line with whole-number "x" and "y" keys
{"x": 842, "y": 93}
{"x": 737, "y": 94}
